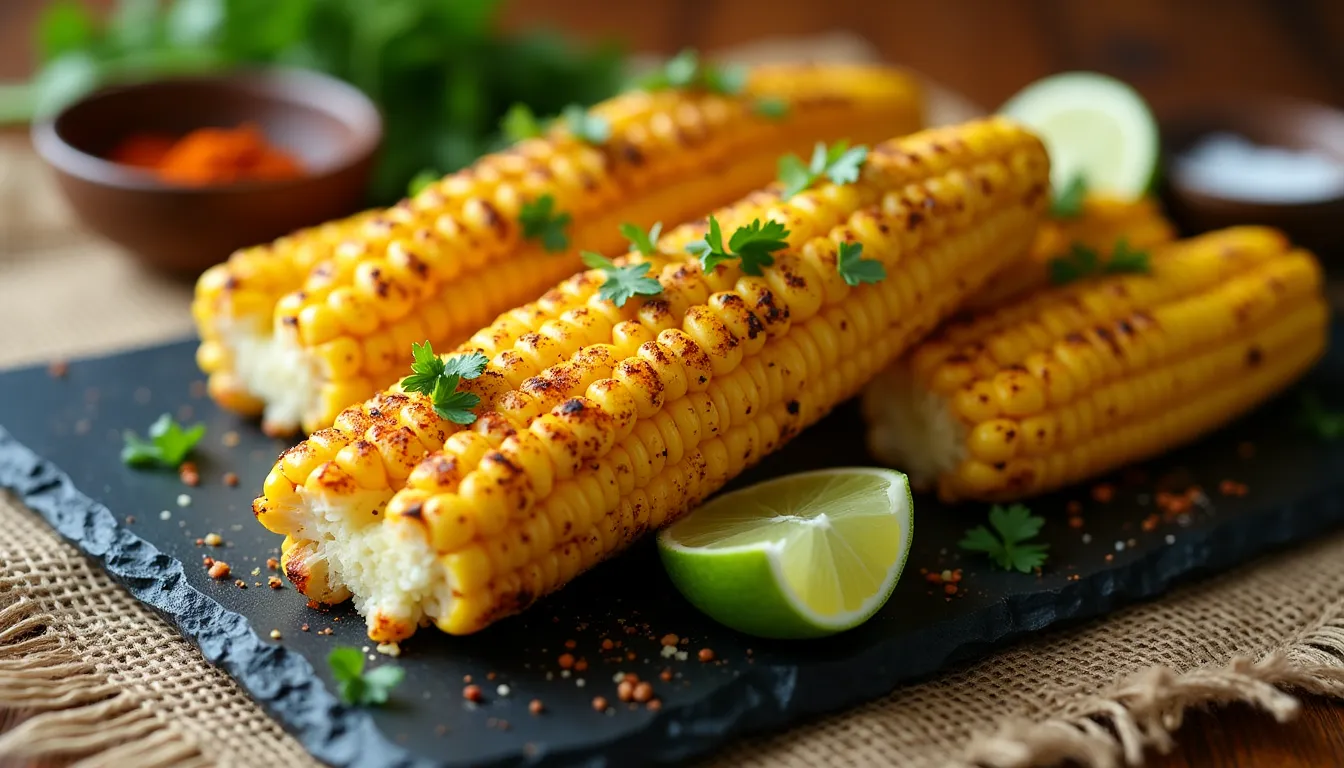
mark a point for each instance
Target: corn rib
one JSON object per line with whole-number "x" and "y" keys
{"x": 298, "y": 329}
{"x": 1077, "y": 381}
{"x": 606, "y": 422}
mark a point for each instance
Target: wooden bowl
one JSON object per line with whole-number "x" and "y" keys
{"x": 329, "y": 126}
{"x": 1298, "y": 125}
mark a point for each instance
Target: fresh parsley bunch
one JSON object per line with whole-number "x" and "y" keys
{"x": 434, "y": 376}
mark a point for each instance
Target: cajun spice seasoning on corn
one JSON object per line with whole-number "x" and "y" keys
{"x": 208, "y": 156}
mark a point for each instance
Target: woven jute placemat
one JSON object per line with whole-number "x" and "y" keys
{"x": 89, "y": 676}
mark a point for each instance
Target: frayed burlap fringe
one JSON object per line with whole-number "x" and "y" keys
{"x": 56, "y": 708}
{"x": 1143, "y": 711}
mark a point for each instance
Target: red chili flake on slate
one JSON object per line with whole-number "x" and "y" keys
{"x": 706, "y": 654}
{"x": 600, "y": 703}
{"x": 607, "y": 645}
{"x": 231, "y": 479}
{"x": 57, "y": 369}
{"x": 670, "y": 639}
{"x": 581, "y": 665}
{"x": 473, "y": 694}
{"x": 950, "y": 589}
{"x": 571, "y": 644}
{"x": 304, "y": 628}
{"x": 665, "y": 675}
{"x": 1232, "y": 488}
{"x": 643, "y": 692}
{"x": 654, "y": 705}
{"x": 536, "y": 707}
{"x": 933, "y": 577}
{"x": 566, "y": 661}
{"x": 1075, "y": 522}
{"x": 1103, "y": 492}
{"x": 274, "y": 582}
{"x": 625, "y": 691}
{"x": 490, "y": 675}
{"x": 272, "y": 563}
{"x": 188, "y": 475}
{"x": 1151, "y": 522}
{"x": 219, "y": 569}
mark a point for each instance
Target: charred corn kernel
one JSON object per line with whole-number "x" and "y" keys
{"x": 700, "y": 403}
{"x": 1136, "y": 365}
{"x": 280, "y": 319}
{"x": 1101, "y": 225}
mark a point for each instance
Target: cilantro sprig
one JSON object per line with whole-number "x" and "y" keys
{"x": 854, "y": 268}
{"x": 1324, "y": 422}
{"x": 357, "y": 687}
{"x": 839, "y": 162}
{"x": 1082, "y": 261}
{"x": 540, "y": 221}
{"x": 623, "y": 282}
{"x": 434, "y": 376}
{"x": 520, "y": 123}
{"x": 1067, "y": 203}
{"x": 1015, "y": 525}
{"x": 751, "y": 245}
{"x": 685, "y": 70}
{"x": 587, "y": 126}
{"x": 168, "y": 444}
{"x": 771, "y": 107}
{"x": 640, "y": 240}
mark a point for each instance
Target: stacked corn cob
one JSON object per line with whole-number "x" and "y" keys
{"x": 1102, "y": 223}
{"x": 1076, "y": 381}
{"x": 598, "y": 423}
{"x": 300, "y": 328}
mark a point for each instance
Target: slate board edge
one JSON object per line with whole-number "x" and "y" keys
{"x": 762, "y": 698}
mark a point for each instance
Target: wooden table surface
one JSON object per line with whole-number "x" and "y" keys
{"x": 1176, "y": 52}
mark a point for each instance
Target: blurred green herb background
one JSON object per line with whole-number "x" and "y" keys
{"x": 441, "y": 71}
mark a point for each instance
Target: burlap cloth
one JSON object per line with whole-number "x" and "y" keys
{"x": 90, "y": 676}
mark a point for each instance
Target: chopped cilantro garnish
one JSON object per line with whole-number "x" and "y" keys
{"x": 840, "y": 163}
{"x": 623, "y": 282}
{"x": 1014, "y": 525}
{"x": 438, "y": 377}
{"x": 357, "y": 687}
{"x": 542, "y": 222}
{"x": 168, "y": 444}
{"x": 751, "y": 245}
{"x": 854, "y": 268}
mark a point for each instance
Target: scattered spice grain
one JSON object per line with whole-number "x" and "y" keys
{"x": 535, "y": 707}
{"x": 706, "y": 654}
{"x": 1103, "y": 492}
{"x": 473, "y": 694}
{"x": 670, "y": 639}
{"x": 272, "y": 563}
{"x": 219, "y": 569}
{"x": 600, "y": 703}
{"x": 213, "y": 539}
{"x": 625, "y": 691}
{"x": 231, "y": 479}
{"x": 274, "y": 582}
{"x": 566, "y": 661}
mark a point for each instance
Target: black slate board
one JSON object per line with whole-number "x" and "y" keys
{"x": 75, "y": 423}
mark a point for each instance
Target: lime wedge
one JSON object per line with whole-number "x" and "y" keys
{"x": 1094, "y": 126}
{"x": 804, "y": 555}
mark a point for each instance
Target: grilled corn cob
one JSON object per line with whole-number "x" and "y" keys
{"x": 601, "y": 423}
{"x": 1101, "y": 224}
{"x": 1079, "y": 380}
{"x": 307, "y": 325}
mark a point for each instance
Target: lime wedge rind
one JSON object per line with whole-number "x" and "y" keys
{"x": 747, "y": 586}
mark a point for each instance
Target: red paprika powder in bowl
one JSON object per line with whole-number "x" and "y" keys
{"x": 183, "y": 171}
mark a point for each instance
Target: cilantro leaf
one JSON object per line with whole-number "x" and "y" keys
{"x": 855, "y": 269}
{"x": 1009, "y": 549}
{"x": 771, "y": 108}
{"x": 794, "y": 175}
{"x": 168, "y": 444}
{"x": 839, "y": 162}
{"x": 540, "y": 221}
{"x": 1068, "y": 202}
{"x": 754, "y": 243}
{"x": 467, "y": 366}
{"x": 727, "y": 79}
{"x": 421, "y": 180}
{"x": 1327, "y": 424}
{"x": 453, "y": 405}
{"x": 438, "y": 378}
{"x": 520, "y": 123}
{"x": 642, "y": 241}
{"x": 623, "y": 282}
{"x": 685, "y": 71}
{"x": 585, "y": 125}
{"x": 1125, "y": 260}
{"x": 357, "y": 687}
{"x": 1082, "y": 261}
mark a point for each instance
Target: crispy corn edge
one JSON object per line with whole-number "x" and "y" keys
{"x": 600, "y": 423}
{"x": 1079, "y": 380}
{"x": 302, "y": 327}
{"x": 1102, "y": 223}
